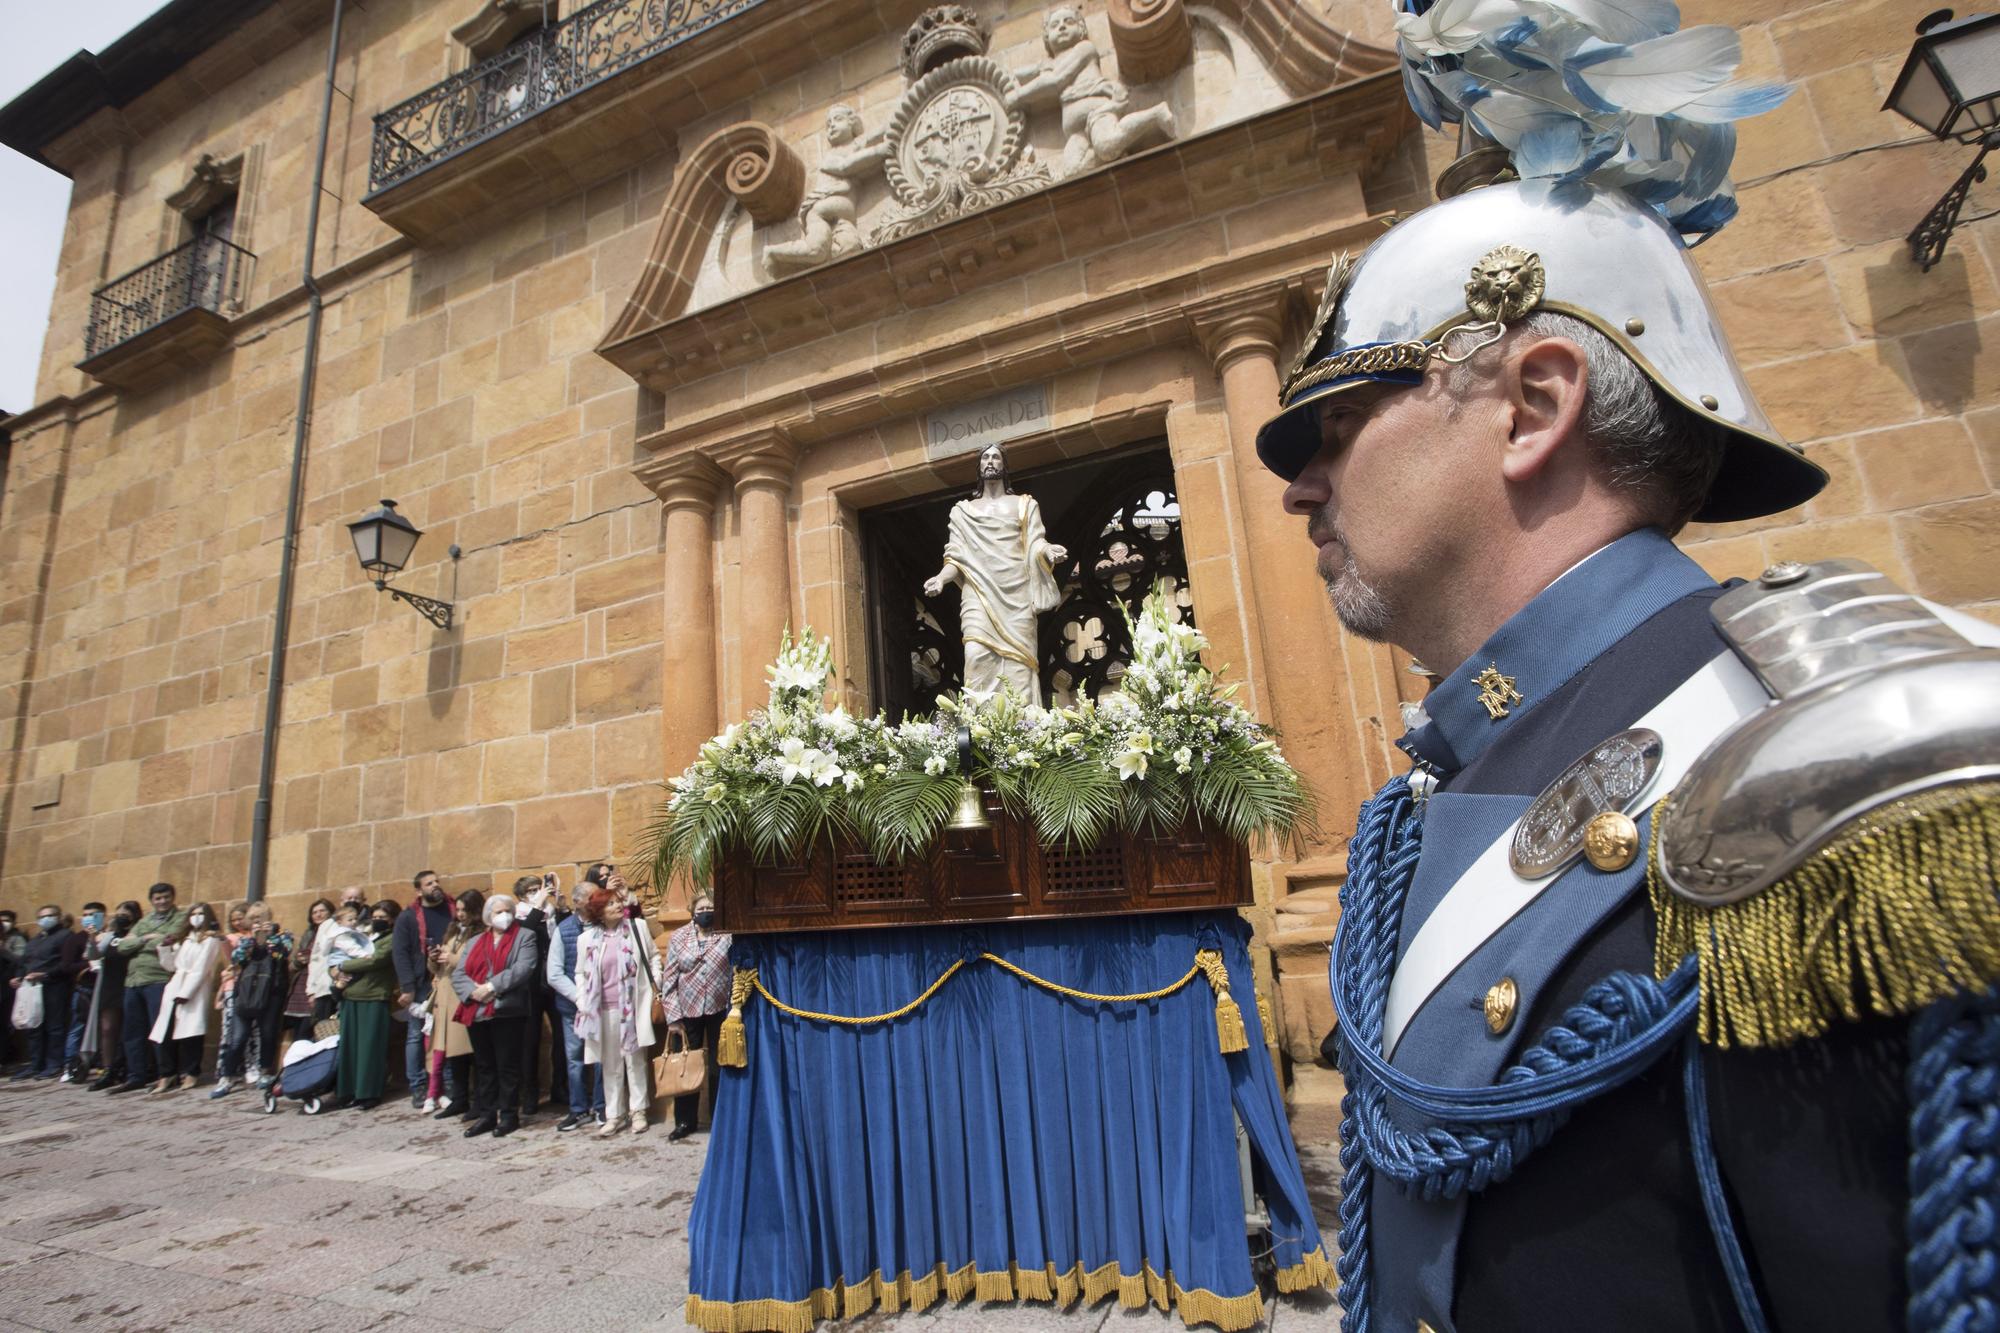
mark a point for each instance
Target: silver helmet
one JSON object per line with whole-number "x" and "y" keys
{"x": 1452, "y": 278}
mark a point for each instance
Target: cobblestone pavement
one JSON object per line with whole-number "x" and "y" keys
{"x": 135, "y": 1213}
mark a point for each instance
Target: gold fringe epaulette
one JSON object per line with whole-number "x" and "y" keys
{"x": 1901, "y": 909}
{"x": 848, "y": 1300}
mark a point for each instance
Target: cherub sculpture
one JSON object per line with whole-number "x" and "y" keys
{"x": 827, "y": 211}
{"x": 1098, "y": 130}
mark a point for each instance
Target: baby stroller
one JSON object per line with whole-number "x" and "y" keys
{"x": 308, "y": 1071}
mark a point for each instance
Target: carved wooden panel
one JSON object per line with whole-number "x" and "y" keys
{"x": 997, "y": 874}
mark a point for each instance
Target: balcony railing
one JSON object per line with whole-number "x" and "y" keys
{"x": 205, "y": 274}
{"x": 531, "y": 76}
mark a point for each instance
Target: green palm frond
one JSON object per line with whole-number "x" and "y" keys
{"x": 1072, "y": 801}
{"x": 899, "y": 815}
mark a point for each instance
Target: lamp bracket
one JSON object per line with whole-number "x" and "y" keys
{"x": 430, "y": 608}
{"x": 1927, "y": 242}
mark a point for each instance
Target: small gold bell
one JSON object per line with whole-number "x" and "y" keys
{"x": 970, "y": 817}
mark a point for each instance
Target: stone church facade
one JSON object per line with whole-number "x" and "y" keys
{"x": 680, "y": 319}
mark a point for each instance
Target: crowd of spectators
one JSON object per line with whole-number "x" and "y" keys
{"x": 481, "y": 992}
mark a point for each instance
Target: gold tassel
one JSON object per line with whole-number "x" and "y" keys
{"x": 1229, "y": 1033}
{"x": 731, "y": 1049}
{"x": 1895, "y": 913}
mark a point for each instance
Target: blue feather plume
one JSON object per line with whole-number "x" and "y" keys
{"x": 1614, "y": 92}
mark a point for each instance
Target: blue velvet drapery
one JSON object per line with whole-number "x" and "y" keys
{"x": 1001, "y": 1140}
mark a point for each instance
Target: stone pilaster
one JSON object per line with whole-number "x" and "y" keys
{"x": 688, "y": 487}
{"x": 762, "y": 466}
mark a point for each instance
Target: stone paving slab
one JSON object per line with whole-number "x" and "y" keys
{"x": 138, "y": 1214}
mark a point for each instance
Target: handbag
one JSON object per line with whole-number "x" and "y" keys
{"x": 678, "y": 1072}
{"x": 28, "y": 1006}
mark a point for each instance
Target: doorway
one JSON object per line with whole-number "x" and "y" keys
{"x": 1116, "y": 513}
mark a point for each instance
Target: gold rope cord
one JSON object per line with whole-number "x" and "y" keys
{"x": 845, "y": 1300}
{"x": 1896, "y": 912}
{"x": 997, "y": 960}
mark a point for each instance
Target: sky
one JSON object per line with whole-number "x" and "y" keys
{"x": 39, "y": 37}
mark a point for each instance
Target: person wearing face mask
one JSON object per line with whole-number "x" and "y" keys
{"x": 185, "y": 1002}
{"x": 42, "y": 965}
{"x": 417, "y": 929}
{"x": 450, "y": 1042}
{"x": 616, "y": 964}
{"x": 494, "y": 981}
{"x": 111, "y": 969}
{"x": 83, "y": 970}
{"x": 694, "y": 993}
{"x": 366, "y": 986}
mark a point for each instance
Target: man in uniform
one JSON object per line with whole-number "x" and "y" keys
{"x": 1504, "y": 412}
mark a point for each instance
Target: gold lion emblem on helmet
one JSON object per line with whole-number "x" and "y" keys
{"x": 1505, "y": 285}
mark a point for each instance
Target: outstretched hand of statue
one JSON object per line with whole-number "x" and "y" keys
{"x": 934, "y": 585}
{"x": 1055, "y": 554}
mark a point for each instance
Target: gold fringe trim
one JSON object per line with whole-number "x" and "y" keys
{"x": 1899, "y": 911}
{"x": 846, "y": 1300}
{"x": 732, "y": 1046}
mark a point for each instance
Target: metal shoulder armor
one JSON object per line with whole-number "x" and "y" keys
{"x": 1859, "y": 806}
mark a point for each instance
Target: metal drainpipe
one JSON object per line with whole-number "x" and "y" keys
{"x": 281, "y": 615}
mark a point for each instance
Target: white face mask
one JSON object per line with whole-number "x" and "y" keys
{"x": 502, "y": 920}
{"x": 197, "y": 921}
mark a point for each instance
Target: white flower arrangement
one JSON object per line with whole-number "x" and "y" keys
{"x": 1168, "y": 747}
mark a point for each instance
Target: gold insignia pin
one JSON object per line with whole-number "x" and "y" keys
{"x": 1496, "y": 692}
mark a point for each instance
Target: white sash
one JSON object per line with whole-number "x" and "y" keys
{"x": 1489, "y": 894}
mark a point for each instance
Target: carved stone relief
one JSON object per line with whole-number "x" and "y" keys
{"x": 957, "y": 139}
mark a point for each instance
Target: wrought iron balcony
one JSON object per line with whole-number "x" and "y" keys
{"x": 529, "y": 77}
{"x": 168, "y": 312}
{"x": 204, "y": 274}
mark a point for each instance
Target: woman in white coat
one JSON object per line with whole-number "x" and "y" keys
{"x": 615, "y": 967}
{"x": 185, "y": 1003}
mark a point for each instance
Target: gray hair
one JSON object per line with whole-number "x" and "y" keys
{"x": 499, "y": 902}
{"x": 1644, "y": 443}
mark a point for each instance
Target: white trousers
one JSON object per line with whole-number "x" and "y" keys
{"x": 625, "y": 1076}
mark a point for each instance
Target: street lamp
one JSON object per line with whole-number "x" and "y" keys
{"x": 383, "y": 542}
{"x": 1950, "y": 85}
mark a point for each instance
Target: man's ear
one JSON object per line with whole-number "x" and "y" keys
{"x": 1546, "y": 381}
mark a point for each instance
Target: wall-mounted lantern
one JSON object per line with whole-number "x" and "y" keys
{"x": 1950, "y": 85}
{"x": 383, "y": 542}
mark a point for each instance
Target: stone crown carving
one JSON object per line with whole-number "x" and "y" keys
{"x": 946, "y": 32}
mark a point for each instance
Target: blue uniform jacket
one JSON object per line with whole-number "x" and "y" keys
{"x": 1603, "y": 1227}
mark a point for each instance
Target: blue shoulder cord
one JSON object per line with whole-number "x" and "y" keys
{"x": 1624, "y": 1023}
{"x": 1475, "y": 1137}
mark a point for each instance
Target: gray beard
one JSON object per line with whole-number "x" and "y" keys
{"x": 1360, "y": 606}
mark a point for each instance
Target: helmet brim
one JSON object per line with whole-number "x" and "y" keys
{"x": 1759, "y": 477}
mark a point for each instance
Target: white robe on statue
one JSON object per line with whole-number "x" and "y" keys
{"x": 1001, "y": 553}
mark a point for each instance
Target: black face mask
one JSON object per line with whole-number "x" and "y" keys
{"x": 378, "y": 926}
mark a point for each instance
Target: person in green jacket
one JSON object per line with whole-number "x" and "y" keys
{"x": 146, "y": 977}
{"x": 365, "y": 986}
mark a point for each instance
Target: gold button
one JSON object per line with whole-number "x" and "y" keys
{"x": 1709, "y": 401}
{"x": 1635, "y": 326}
{"x": 1611, "y": 840}
{"x": 1500, "y": 1002}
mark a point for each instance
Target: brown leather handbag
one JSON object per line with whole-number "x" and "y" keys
{"x": 678, "y": 1071}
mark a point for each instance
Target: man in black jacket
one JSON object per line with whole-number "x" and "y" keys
{"x": 42, "y": 964}
{"x": 409, "y": 947}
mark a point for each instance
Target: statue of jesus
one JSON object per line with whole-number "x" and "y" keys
{"x": 1004, "y": 563}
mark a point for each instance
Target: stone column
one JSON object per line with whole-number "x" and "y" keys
{"x": 1310, "y": 696}
{"x": 762, "y": 466}
{"x": 690, "y": 706}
